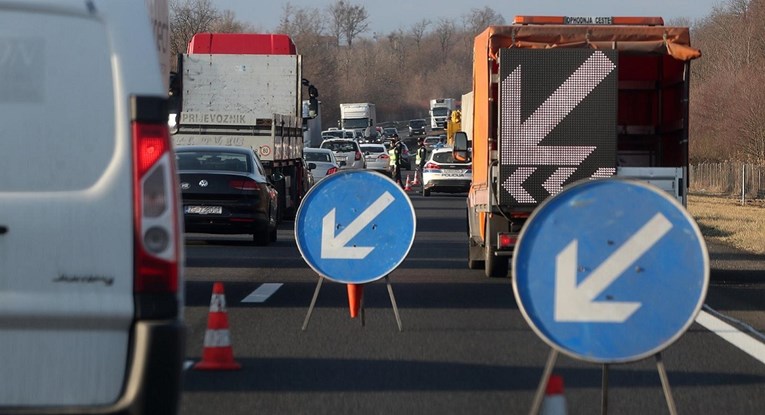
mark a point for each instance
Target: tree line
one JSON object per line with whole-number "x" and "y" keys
{"x": 402, "y": 70}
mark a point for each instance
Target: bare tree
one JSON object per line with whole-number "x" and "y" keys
{"x": 188, "y": 17}
{"x": 347, "y": 20}
{"x": 479, "y": 19}
{"x": 418, "y": 31}
{"x": 301, "y": 22}
{"x": 445, "y": 32}
{"x": 227, "y": 23}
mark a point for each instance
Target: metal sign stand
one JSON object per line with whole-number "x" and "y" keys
{"x": 390, "y": 293}
{"x": 539, "y": 396}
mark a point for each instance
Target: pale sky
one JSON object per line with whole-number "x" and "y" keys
{"x": 389, "y": 15}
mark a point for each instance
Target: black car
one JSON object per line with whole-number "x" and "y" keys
{"x": 225, "y": 190}
{"x": 417, "y": 127}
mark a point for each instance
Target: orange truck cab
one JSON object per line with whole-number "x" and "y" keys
{"x": 559, "y": 99}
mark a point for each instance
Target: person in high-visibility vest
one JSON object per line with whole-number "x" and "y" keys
{"x": 395, "y": 159}
{"x": 422, "y": 155}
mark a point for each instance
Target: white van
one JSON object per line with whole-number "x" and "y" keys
{"x": 90, "y": 250}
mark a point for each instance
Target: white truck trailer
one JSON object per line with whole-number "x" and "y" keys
{"x": 246, "y": 90}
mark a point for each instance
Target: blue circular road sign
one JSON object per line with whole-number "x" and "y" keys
{"x": 355, "y": 226}
{"x": 610, "y": 271}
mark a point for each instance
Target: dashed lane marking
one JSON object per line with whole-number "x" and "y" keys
{"x": 263, "y": 292}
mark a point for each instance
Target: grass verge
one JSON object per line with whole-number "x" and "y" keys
{"x": 725, "y": 220}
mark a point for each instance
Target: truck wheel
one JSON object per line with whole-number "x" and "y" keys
{"x": 496, "y": 266}
{"x": 475, "y": 258}
{"x": 473, "y": 263}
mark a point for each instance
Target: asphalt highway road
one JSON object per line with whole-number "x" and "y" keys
{"x": 465, "y": 348}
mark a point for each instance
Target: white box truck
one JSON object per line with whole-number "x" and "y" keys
{"x": 358, "y": 116}
{"x": 440, "y": 110}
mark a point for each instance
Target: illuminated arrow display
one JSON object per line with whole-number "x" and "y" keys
{"x": 522, "y": 145}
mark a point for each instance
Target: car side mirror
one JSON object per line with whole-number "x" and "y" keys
{"x": 311, "y": 166}
{"x": 276, "y": 177}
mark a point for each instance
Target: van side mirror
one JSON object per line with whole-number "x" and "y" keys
{"x": 460, "y": 150}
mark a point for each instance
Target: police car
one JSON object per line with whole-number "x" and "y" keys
{"x": 442, "y": 173}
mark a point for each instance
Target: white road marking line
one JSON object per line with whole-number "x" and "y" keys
{"x": 732, "y": 335}
{"x": 261, "y": 294}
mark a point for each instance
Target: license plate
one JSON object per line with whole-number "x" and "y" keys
{"x": 341, "y": 158}
{"x": 204, "y": 210}
{"x": 453, "y": 174}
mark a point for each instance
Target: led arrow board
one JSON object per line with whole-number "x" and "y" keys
{"x": 355, "y": 226}
{"x": 610, "y": 270}
{"x": 558, "y": 120}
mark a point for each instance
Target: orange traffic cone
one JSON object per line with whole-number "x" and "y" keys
{"x": 217, "y": 354}
{"x": 407, "y": 186}
{"x": 355, "y": 292}
{"x": 554, "y": 402}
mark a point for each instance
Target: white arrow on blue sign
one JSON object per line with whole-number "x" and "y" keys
{"x": 355, "y": 226}
{"x": 610, "y": 271}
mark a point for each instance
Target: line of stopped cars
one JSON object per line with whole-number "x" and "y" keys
{"x": 226, "y": 190}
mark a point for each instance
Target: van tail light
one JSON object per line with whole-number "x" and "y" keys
{"x": 156, "y": 227}
{"x": 331, "y": 170}
{"x": 358, "y": 155}
{"x": 245, "y": 184}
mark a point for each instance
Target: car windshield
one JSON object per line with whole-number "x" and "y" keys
{"x": 339, "y": 146}
{"x": 444, "y": 157}
{"x": 417, "y": 123}
{"x": 333, "y": 133}
{"x": 317, "y": 156}
{"x": 212, "y": 161}
{"x": 432, "y": 140}
{"x": 373, "y": 149}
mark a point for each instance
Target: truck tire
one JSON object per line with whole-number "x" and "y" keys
{"x": 474, "y": 259}
{"x": 473, "y": 263}
{"x": 496, "y": 266}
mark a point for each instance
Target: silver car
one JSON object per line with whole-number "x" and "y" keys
{"x": 347, "y": 152}
{"x": 321, "y": 162}
{"x": 377, "y": 158}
